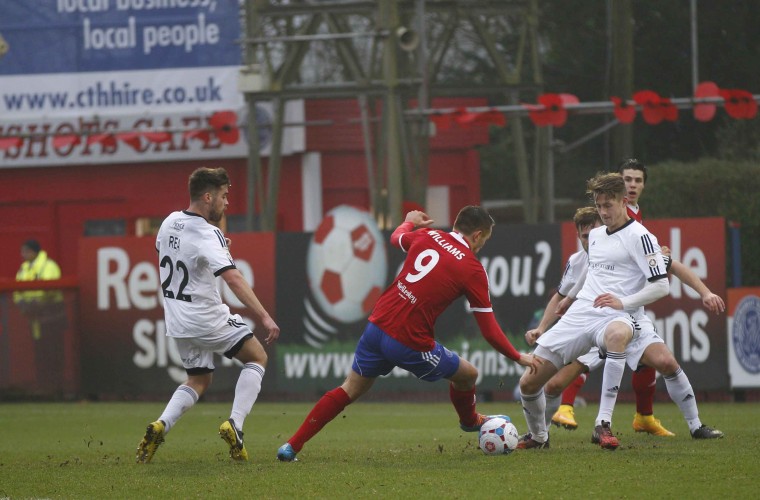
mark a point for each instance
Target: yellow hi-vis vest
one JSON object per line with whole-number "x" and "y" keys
{"x": 41, "y": 268}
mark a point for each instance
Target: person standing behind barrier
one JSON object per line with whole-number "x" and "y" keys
{"x": 192, "y": 253}
{"x": 46, "y": 313}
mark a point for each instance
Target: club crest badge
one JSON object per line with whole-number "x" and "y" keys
{"x": 746, "y": 333}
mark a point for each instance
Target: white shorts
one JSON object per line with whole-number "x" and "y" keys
{"x": 197, "y": 353}
{"x": 637, "y": 346}
{"x": 647, "y": 336}
{"x": 592, "y": 360}
{"x": 581, "y": 328}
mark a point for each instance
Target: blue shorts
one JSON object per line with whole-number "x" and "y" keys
{"x": 378, "y": 353}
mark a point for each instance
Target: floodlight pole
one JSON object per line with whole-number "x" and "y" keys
{"x": 694, "y": 46}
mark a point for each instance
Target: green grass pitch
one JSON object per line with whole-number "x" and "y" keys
{"x": 378, "y": 450}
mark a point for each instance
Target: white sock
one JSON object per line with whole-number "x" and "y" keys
{"x": 534, "y": 409}
{"x": 613, "y": 376}
{"x": 552, "y": 405}
{"x": 246, "y": 391}
{"x": 182, "y": 400}
{"x": 680, "y": 391}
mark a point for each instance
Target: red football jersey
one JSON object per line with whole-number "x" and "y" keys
{"x": 439, "y": 268}
{"x": 636, "y": 215}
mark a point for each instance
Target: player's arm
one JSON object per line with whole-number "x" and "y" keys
{"x": 242, "y": 290}
{"x": 493, "y": 334}
{"x": 549, "y": 317}
{"x": 712, "y": 302}
{"x": 415, "y": 218}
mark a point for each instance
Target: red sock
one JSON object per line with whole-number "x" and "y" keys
{"x": 644, "y": 385}
{"x": 571, "y": 391}
{"x": 327, "y": 408}
{"x": 464, "y": 404}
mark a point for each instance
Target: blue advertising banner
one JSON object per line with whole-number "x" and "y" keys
{"x": 72, "y": 36}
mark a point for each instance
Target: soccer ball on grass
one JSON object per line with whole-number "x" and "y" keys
{"x": 498, "y": 437}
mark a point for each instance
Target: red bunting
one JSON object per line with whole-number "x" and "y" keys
{"x": 485, "y": 118}
{"x": 65, "y": 141}
{"x": 200, "y": 134}
{"x": 704, "y": 112}
{"x": 106, "y": 140}
{"x": 651, "y": 109}
{"x": 467, "y": 119}
{"x": 157, "y": 137}
{"x": 225, "y": 126}
{"x": 132, "y": 139}
{"x": 740, "y": 104}
{"x": 624, "y": 112}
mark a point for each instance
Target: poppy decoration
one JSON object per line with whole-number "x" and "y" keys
{"x": 651, "y": 106}
{"x": 704, "y": 112}
{"x": 7, "y": 143}
{"x": 624, "y": 112}
{"x": 551, "y": 109}
{"x": 224, "y": 125}
{"x": 739, "y": 104}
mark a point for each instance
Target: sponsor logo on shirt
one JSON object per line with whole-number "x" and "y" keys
{"x": 406, "y": 292}
{"x": 608, "y": 267}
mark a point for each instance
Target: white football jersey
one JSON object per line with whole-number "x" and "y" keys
{"x": 574, "y": 272}
{"x": 191, "y": 254}
{"x": 622, "y": 261}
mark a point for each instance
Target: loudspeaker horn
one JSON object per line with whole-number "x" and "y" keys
{"x": 408, "y": 39}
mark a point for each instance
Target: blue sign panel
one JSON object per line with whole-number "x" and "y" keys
{"x": 72, "y": 36}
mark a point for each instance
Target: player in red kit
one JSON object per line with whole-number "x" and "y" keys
{"x": 644, "y": 378}
{"x": 439, "y": 268}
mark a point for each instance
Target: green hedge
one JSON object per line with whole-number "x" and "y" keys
{"x": 711, "y": 188}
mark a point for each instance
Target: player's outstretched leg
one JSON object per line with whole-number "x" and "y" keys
{"x": 234, "y": 438}
{"x": 327, "y": 408}
{"x": 154, "y": 436}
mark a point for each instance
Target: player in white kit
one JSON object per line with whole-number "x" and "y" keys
{"x": 626, "y": 271}
{"x": 575, "y": 272}
{"x": 192, "y": 252}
